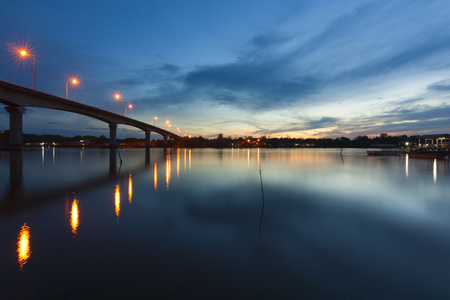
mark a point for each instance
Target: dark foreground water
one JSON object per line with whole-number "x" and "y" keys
{"x": 194, "y": 224}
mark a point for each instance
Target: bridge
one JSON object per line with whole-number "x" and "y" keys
{"x": 17, "y": 98}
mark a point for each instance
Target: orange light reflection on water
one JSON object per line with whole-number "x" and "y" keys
{"x": 130, "y": 189}
{"x": 184, "y": 159}
{"x": 155, "y": 177}
{"x": 178, "y": 162}
{"x": 74, "y": 214}
{"x": 117, "y": 200}
{"x": 168, "y": 171}
{"x": 23, "y": 246}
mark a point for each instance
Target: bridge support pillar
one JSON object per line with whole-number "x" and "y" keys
{"x": 147, "y": 139}
{"x": 15, "y": 126}
{"x": 165, "y": 141}
{"x": 113, "y": 135}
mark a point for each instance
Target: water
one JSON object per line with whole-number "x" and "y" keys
{"x": 75, "y": 224}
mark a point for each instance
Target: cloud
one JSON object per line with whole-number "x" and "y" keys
{"x": 254, "y": 85}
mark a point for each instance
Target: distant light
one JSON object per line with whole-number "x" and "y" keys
{"x": 23, "y": 53}
{"x": 117, "y": 96}
{"x": 74, "y": 81}
{"x": 130, "y": 106}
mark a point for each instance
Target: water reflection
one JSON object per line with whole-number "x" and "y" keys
{"x": 155, "y": 177}
{"x": 407, "y": 166}
{"x": 81, "y": 155}
{"x": 178, "y": 163}
{"x": 435, "y": 170}
{"x": 130, "y": 189}
{"x": 258, "y": 157}
{"x": 168, "y": 171}
{"x": 23, "y": 246}
{"x": 117, "y": 200}
{"x": 15, "y": 174}
{"x": 74, "y": 216}
{"x": 393, "y": 208}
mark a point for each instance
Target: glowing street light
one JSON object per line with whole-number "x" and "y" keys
{"x": 72, "y": 81}
{"x": 154, "y": 120}
{"x": 25, "y": 53}
{"x": 118, "y": 97}
{"x": 130, "y": 106}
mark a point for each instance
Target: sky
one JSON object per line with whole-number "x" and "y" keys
{"x": 287, "y": 68}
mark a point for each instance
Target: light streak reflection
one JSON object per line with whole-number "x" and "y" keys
{"x": 155, "y": 177}
{"x": 190, "y": 151}
{"x": 435, "y": 170}
{"x": 258, "y": 157}
{"x": 185, "y": 159}
{"x": 117, "y": 200}
{"x": 23, "y": 246}
{"x": 168, "y": 171}
{"x": 407, "y": 166}
{"x": 74, "y": 216}
{"x": 178, "y": 162}
{"x": 130, "y": 189}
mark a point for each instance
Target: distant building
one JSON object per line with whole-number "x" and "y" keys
{"x": 434, "y": 140}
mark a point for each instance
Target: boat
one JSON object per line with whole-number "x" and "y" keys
{"x": 384, "y": 149}
{"x": 428, "y": 154}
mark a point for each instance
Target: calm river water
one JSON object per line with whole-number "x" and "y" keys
{"x": 183, "y": 224}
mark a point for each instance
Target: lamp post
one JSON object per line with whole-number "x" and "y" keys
{"x": 130, "y": 106}
{"x": 72, "y": 81}
{"x": 118, "y": 96}
{"x": 24, "y": 53}
{"x": 168, "y": 123}
{"x": 154, "y": 120}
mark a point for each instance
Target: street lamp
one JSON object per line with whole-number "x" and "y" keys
{"x": 25, "y": 53}
{"x": 130, "y": 106}
{"x": 118, "y": 96}
{"x": 72, "y": 81}
{"x": 154, "y": 120}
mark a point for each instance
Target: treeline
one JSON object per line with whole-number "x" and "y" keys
{"x": 264, "y": 142}
{"x": 219, "y": 142}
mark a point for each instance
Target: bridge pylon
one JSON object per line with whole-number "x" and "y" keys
{"x": 15, "y": 126}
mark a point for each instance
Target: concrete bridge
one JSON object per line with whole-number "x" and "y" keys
{"x": 17, "y": 98}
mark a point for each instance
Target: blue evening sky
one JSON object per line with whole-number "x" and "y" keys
{"x": 239, "y": 67}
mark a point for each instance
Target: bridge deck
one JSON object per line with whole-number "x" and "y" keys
{"x": 16, "y": 95}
